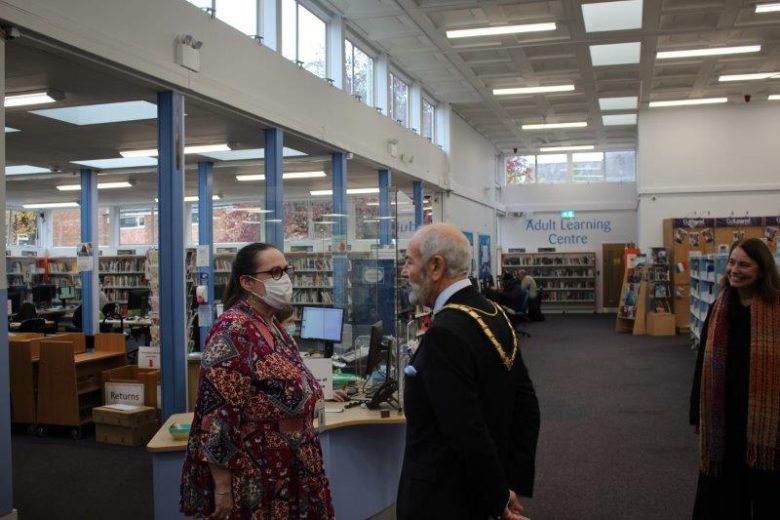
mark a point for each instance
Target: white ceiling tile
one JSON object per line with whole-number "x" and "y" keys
{"x": 615, "y": 54}
{"x": 613, "y": 16}
{"x": 618, "y": 103}
{"x": 618, "y": 119}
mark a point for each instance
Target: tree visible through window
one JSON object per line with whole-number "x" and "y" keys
{"x": 399, "y": 100}
{"x": 303, "y": 37}
{"x": 428, "y": 120}
{"x": 520, "y": 169}
{"x": 358, "y": 72}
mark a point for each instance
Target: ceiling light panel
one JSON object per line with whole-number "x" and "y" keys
{"x": 714, "y": 51}
{"x": 774, "y": 97}
{"x": 28, "y": 98}
{"x": 532, "y": 90}
{"x": 350, "y": 191}
{"x": 615, "y": 54}
{"x": 682, "y": 102}
{"x": 291, "y": 175}
{"x": 566, "y": 148}
{"x": 618, "y": 103}
{"x": 749, "y": 77}
{"x": 249, "y": 154}
{"x": 100, "y": 186}
{"x": 120, "y": 162}
{"x": 618, "y": 119}
{"x": 194, "y": 149}
{"x": 9, "y": 130}
{"x": 768, "y": 8}
{"x": 102, "y": 113}
{"x": 24, "y": 169}
{"x": 46, "y": 205}
{"x": 612, "y": 16}
{"x": 552, "y": 126}
{"x": 501, "y": 30}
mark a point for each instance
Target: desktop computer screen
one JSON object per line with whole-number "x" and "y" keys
{"x": 67, "y": 292}
{"x": 137, "y": 302}
{"x": 374, "y": 359}
{"x": 43, "y": 295}
{"x": 15, "y": 296}
{"x": 322, "y": 323}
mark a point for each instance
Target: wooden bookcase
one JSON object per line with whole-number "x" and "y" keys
{"x": 568, "y": 280}
{"x": 633, "y": 297}
{"x": 119, "y": 274}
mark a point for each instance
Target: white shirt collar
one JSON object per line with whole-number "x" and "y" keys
{"x": 447, "y": 293}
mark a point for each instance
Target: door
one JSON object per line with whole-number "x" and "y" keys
{"x": 612, "y": 273}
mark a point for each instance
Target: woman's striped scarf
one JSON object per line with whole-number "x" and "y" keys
{"x": 763, "y": 421}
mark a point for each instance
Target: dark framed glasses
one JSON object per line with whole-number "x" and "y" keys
{"x": 277, "y": 272}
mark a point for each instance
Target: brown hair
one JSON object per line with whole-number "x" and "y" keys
{"x": 768, "y": 283}
{"x": 243, "y": 264}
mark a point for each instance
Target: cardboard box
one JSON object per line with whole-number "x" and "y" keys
{"x": 125, "y": 425}
{"x": 148, "y": 377}
{"x": 661, "y": 324}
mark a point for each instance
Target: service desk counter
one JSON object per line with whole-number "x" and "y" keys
{"x": 362, "y": 453}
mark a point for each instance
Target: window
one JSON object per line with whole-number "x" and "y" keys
{"x": 552, "y": 168}
{"x": 358, "y": 73}
{"x": 296, "y": 219}
{"x": 238, "y": 223}
{"x": 588, "y": 167}
{"x": 137, "y": 227}
{"x": 521, "y": 169}
{"x": 303, "y": 37}
{"x": 241, "y": 14}
{"x": 104, "y": 227}
{"x": 620, "y": 166}
{"x": 323, "y": 226}
{"x": 24, "y": 228}
{"x": 65, "y": 227}
{"x": 366, "y": 218}
{"x": 399, "y": 100}
{"x": 428, "y": 120}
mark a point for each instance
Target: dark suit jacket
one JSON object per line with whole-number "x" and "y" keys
{"x": 472, "y": 425}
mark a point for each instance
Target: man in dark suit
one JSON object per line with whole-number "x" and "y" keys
{"x": 472, "y": 413}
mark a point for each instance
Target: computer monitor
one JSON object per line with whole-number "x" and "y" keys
{"x": 43, "y": 294}
{"x": 322, "y": 323}
{"x": 376, "y": 348}
{"x": 15, "y": 296}
{"x": 137, "y": 302}
{"x": 374, "y": 358}
{"x": 67, "y": 292}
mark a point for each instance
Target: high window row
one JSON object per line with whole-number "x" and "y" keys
{"x": 571, "y": 167}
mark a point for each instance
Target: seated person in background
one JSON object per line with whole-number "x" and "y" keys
{"x": 286, "y": 316}
{"x": 513, "y": 296}
{"x": 527, "y": 283}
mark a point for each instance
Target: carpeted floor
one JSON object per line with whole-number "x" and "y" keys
{"x": 614, "y": 444}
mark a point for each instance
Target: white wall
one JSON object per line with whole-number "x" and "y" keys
{"x": 706, "y": 161}
{"x": 579, "y": 197}
{"x": 586, "y": 232}
{"x": 235, "y": 71}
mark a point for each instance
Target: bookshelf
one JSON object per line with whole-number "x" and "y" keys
{"x": 313, "y": 278}
{"x": 21, "y": 271}
{"x": 631, "y": 315}
{"x": 568, "y": 279}
{"x": 659, "y": 281}
{"x": 705, "y": 274}
{"x": 119, "y": 274}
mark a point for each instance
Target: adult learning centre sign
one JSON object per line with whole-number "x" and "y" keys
{"x": 559, "y": 231}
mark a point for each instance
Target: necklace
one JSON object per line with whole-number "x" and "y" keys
{"x": 472, "y": 312}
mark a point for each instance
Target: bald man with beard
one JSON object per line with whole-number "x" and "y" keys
{"x": 472, "y": 412}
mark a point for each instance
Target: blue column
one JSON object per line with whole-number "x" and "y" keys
{"x": 385, "y": 234}
{"x": 340, "y": 261}
{"x": 6, "y": 475}
{"x": 89, "y": 279}
{"x": 170, "y": 185}
{"x": 417, "y": 195}
{"x": 206, "y": 236}
{"x": 274, "y": 188}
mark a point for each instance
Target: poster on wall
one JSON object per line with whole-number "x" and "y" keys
{"x": 470, "y": 238}
{"x": 484, "y": 257}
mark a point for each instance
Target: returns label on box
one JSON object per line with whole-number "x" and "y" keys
{"x": 124, "y": 393}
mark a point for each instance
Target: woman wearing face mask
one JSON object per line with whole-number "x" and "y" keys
{"x": 253, "y": 451}
{"x": 735, "y": 401}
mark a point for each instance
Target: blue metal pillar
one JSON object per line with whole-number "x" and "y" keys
{"x": 417, "y": 195}
{"x": 89, "y": 234}
{"x": 274, "y": 188}
{"x": 340, "y": 261}
{"x": 173, "y": 316}
{"x": 385, "y": 216}
{"x": 206, "y": 238}
{"x": 6, "y": 475}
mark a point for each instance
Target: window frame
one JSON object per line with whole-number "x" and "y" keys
{"x": 372, "y": 55}
{"x": 392, "y": 72}
{"x": 428, "y": 99}
{"x": 320, "y": 14}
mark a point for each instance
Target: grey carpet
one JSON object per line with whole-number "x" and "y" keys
{"x": 615, "y": 441}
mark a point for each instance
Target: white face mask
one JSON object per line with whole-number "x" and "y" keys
{"x": 278, "y": 293}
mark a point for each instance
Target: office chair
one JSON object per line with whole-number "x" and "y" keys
{"x": 26, "y": 311}
{"x": 32, "y": 325}
{"x": 535, "y": 306}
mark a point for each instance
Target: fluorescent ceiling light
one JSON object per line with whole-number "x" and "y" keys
{"x": 30, "y": 98}
{"x": 102, "y": 113}
{"x": 330, "y": 222}
{"x": 714, "y": 51}
{"x": 774, "y": 97}
{"x": 24, "y": 169}
{"x": 194, "y": 198}
{"x": 119, "y": 162}
{"x": 392, "y": 203}
{"x": 334, "y": 215}
{"x": 618, "y": 103}
{"x": 274, "y": 220}
{"x": 199, "y": 149}
{"x": 100, "y": 186}
{"x": 749, "y": 77}
{"x": 9, "y": 130}
{"x": 44, "y": 205}
{"x": 505, "y": 29}
{"x": 549, "y": 126}
{"x": 350, "y": 191}
{"x": 618, "y": 119}
{"x": 532, "y": 90}
{"x": 768, "y": 8}
{"x": 566, "y": 148}
{"x": 615, "y": 54}
{"x": 681, "y": 102}
{"x": 612, "y": 16}
{"x": 291, "y": 175}
{"x": 249, "y": 154}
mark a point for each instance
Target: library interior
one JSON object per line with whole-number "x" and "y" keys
{"x": 601, "y": 159}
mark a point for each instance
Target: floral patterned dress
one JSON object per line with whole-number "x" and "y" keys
{"x": 254, "y": 416}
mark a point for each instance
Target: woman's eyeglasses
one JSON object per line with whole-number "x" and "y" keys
{"x": 277, "y": 272}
